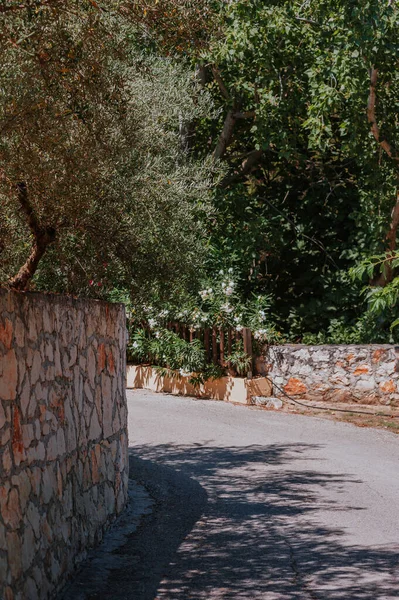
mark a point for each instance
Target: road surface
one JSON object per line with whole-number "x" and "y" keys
{"x": 251, "y": 504}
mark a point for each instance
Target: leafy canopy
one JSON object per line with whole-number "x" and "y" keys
{"x": 94, "y": 180}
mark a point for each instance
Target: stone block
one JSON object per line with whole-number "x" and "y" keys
{"x": 6, "y": 333}
{"x": 28, "y": 548}
{"x": 30, "y": 590}
{"x": 3, "y": 545}
{"x": 33, "y": 517}
{"x": 7, "y": 461}
{"x": 11, "y": 511}
{"x": 95, "y": 427}
{"x": 295, "y": 387}
{"x": 36, "y": 368}
{"x": 14, "y": 550}
{"x": 2, "y": 416}
{"x": 364, "y": 385}
{"x": 274, "y": 403}
{"x": 49, "y": 480}
{"x": 9, "y": 377}
{"x": 22, "y": 482}
{"x": 91, "y": 367}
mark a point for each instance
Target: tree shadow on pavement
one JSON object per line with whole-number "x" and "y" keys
{"x": 242, "y": 523}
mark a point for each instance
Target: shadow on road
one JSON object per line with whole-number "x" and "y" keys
{"x": 254, "y": 533}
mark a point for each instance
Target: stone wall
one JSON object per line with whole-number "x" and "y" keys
{"x": 361, "y": 374}
{"x": 63, "y": 436}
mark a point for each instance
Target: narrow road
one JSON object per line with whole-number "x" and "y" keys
{"x": 249, "y": 504}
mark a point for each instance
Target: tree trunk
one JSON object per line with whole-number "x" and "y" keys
{"x": 43, "y": 237}
{"x": 387, "y": 276}
{"x": 226, "y": 135}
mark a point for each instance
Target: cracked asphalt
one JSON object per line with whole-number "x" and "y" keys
{"x": 251, "y": 504}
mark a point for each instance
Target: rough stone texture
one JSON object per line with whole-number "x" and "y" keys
{"x": 274, "y": 403}
{"x": 360, "y": 374}
{"x": 63, "y": 436}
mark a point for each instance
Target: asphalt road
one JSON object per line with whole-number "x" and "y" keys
{"x": 250, "y": 504}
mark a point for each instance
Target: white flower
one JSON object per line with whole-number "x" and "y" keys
{"x": 223, "y": 286}
{"x": 229, "y": 291}
{"x": 239, "y": 327}
{"x": 262, "y": 314}
{"x": 135, "y": 345}
{"x": 221, "y": 272}
{"x": 231, "y": 270}
{"x": 184, "y": 373}
{"x": 157, "y": 334}
{"x": 152, "y": 323}
{"x": 258, "y": 335}
{"x": 227, "y": 308}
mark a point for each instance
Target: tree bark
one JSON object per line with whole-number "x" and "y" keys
{"x": 43, "y": 237}
{"x": 223, "y": 89}
{"x": 251, "y": 161}
{"x": 226, "y": 135}
{"x": 372, "y": 118}
{"x": 386, "y": 277}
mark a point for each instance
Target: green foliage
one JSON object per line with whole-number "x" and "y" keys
{"x": 239, "y": 359}
{"x": 382, "y": 301}
{"x": 172, "y": 356}
{"x": 318, "y": 199}
{"x": 91, "y": 125}
{"x": 166, "y": 349}
{"x": 115, "y": 155}
{"x": 218, "y": 303}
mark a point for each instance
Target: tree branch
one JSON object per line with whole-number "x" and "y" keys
{"x": 387, "y": 275}
{"x": 43, "y": 237}
{"x": 226, "y": 135}
{"x": 372, "y": 118}
{"x": 223, "y": 89}
{"x": 247, "y": 165}
{"x": 250, "y": 114}
{"x": 309, "y": 21}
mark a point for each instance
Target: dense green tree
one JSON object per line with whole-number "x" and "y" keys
{"x": 308, "y": 128}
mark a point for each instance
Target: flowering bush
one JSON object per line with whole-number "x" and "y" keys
{"x": 218, "y": 304}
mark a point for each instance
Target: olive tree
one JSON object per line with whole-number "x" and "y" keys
{"x": 96, "y": 188}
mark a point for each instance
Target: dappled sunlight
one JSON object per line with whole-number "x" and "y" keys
{"x": 257, "y": 534}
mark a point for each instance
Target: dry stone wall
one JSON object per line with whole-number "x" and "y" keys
{"x": 360, "y": 374}
{"x": 63, "y": 436}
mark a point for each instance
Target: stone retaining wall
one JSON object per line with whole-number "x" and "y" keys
{"x": 63, "y": 436}
{"x": 360, "y": 374}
